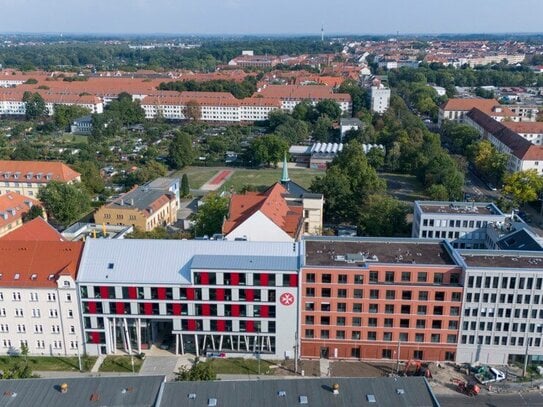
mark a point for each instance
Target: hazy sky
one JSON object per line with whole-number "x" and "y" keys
{"x": 271, "y": 16}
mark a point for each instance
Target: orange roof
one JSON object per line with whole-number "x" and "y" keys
{"x": 271, "y": 203}
{"x": 315, "y": 92}
{"x": 36, "y": 263}
{"x": 13, "y": 206}
{"x": 525, "y": 127}
{"x": 35, "y": 230}
{"x": 487, "y": 106}
{"x": 36, "y": 171}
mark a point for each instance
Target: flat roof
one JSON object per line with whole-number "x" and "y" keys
{"x": 133, "y": 261}
{"x": 502, "y": 259}
{"x": 463, "y": 208}
{"x": 314, "y": 392}
{"x": 234, "y": 262}
{"x": 342, "y": 252}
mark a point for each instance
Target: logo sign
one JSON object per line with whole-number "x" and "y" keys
{"x": 286, "y": 299}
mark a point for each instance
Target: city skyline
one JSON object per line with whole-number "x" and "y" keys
{"x": 230, "y": 17}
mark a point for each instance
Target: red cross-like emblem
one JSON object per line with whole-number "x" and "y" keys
{"x": 286, "y": 299}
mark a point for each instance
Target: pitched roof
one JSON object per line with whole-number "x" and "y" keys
{"x": 35, "y": 230}
{"x": 31, "y": 263}
{"x": 14, "y": 206}
{"x": 525, "y": 127}
{"x": 36, "y": 171}
{"x": 299, "y": 92}
{"x": 271, "y": 203}
{"x": 488, "y": 106}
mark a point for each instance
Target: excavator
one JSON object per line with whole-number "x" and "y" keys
{"x": 419, "y": 369}
{"x": 468, "y": 388}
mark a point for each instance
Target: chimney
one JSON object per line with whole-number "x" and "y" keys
{"x": 335, "y": 389}
{"x": 64, "y": 388}
{"x": 122, "y": 202}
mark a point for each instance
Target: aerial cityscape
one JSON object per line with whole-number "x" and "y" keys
{"x": 223, "y": 203}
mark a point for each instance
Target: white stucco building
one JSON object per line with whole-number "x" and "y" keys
{"x": 380, "y": 99}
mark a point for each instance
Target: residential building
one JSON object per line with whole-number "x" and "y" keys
{"x": 26, "y": 177}
{"x": 236, "y": 298}
{"x": 82, "y": 125}
{"x": 456, "y": 110}
{"x": 380, "y": 98}
{"x": 502, "y": 308}
{"x": 145, "y": 207}
{"x": 347, "y": 124}
{"x": 379, "y": 298}
{"x": 464, "y": 224}
{"x": 38, "y": 297}
{"x": 526, "y": 113}
{"x": 249, "y": 59}
{"x": 13, "y": 207}
{"x": 35, "y": 230}
{"x": 531, "y": 131}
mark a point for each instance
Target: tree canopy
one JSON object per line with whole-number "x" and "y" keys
{"x": 181, "y": 152}
{"x": 210, "y": 216}
{"x": 523, "y": 186}
{"x": 64, "y": 203}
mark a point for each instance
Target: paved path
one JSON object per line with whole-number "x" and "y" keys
{"x": 217, "y": 181}
{"x": 324, "y": 367}
{"x": 98, "y": 363}
{"x": 158, "y": 365}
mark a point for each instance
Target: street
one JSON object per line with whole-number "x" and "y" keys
{"x": 478, "y": 189}
{"x": 492, "y": 400}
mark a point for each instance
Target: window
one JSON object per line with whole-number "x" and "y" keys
{"x": 342, "y": 279}
{"x": 406, "y": 276}
{"x": 326, "y": 278}
{"x": 438, "y": 310}
{"x": 357, "y": 307}
{"x": 326, "y": 292}
{"x": 390, "y": 294}
{"x": 374, "y": 276}
{"x": 374, "y": 294}
{"x": 451, "y": 338}
{"x": 55, "y": 329}
{"x": 51, "y": 297}
{"x": 423, "y": 295}
{"x": 36, "y": 313}
{"x": 389, "y": 277}
{"x": 406, "y": 295}
{"x": 440, "y": 296}
{"x": 309, "y": 319}
{"x": 438, "y": 278}
{"x": 342, "y": 293}
{"x": 357, "y": 321}
{"x": 373, "y": 309}
{"x": 372, "y": 322}
{"x": 309, "y": 333}
{"x": 422, "y": 277}
{"x": 421, "y": 324}
{"x": 435, "y": 338}
{"x": 53, "y": 313}
{"x": 310, "y": 278}
{"x": 325, "y": 334}
{"x": 372, "y": 336}
{"x": 355, "y": 335}
{"x": 340, "y": 334}
{"x": 388, "y": 323}
{"x": 358, "y": 293}
{"x": 38, "y": 329}
{"x": 33, "y": 297}
{"x": 389, "y": 309}
{"x": 358, "y": 279}
{"x": 418, "y": 354}
{"x": 19, "y": 312}
{"x": 340, "y": 321}
{"x": 406, "y": 309}
{"x": 436, "y": 324}
{"x": 456, "y": 296}
{"x": 16, "y": 296}
{"x": 341, "y": 307}
{"x": 421, "y": 310}
{"x": 310, "y": 292}
{"x": 68, "y": 297}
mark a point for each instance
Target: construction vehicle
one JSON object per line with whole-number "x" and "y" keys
{"x": 419, "y": 369}
{"x": 468, "y": 388}
{"x": 487, "y": 374}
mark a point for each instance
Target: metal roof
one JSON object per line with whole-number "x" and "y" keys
{"x": 283, "y": 263}
{"x": 317, "y": 392}
{"x": 168, "y": 261}
{"x": 138, "y": 391}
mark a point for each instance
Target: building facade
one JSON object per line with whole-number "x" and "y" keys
{"x": 13, "y": 207}
{"x": 380, "y": 99}
{"x": 379, "y": 299}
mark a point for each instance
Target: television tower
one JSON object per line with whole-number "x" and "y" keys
{"x": 322, "y": 33}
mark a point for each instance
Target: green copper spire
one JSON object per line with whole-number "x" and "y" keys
{"x": 284, "y": 177}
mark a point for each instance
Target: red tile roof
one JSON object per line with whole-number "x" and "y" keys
{"x": 35, "y": 230}
{"x": 298, "y": 92}
{"x": 37, "y": 264}
{"x": 487, "y": 106}
{"x": 14, "y": 206}
{"x": 271, "y": 203}
{"x": 525, "y": 127}
{"x": 36, "y": 171}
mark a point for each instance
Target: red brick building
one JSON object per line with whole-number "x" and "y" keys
{"x": 367, "y": 298}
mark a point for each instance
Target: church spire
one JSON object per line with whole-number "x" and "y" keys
{"x": 285, "y": 178}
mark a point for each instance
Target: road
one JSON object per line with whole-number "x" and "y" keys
{"x": 478, "y": 189}
{"x": 493, "y": 400}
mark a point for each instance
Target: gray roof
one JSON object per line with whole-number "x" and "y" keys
{"x": 265, "y": 393}
{"x": 139, "y": 391}
{"x": 162, "y": 183}
{"x": 350, "y": 121}
{"x": 283, "y": 263}
{"x": 140, "y": 198}
{"x": 169, "y": 261}
{"x": 519, "y": 240}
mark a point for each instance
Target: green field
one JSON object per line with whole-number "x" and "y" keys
{"x": 241, "y": 366}
{"x": 49, "y": 363}
{"x": 198, "y": 176}
{"x": 120, "y": 364}
{"x": 404, "y": 187}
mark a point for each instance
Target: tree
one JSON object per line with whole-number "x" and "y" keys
{"x": 64, "y": 115}
{"x": 192, "y": 111}
{"x": 65, "y": 203}
{"x": 34, "y": 212}
{"x": 438, "y": 192}
{"x": 330, "y": 108}
{"x": 185, "y": 187}
{"x": 268, "y": 149}
{"x": 25, "y": 151}
{"x": 489, "y": 162}
{"x": 376, "y": 158}
{"x": 210, "y": 216}
{"x": 90, "y": 177}
{"x": 200, "y": 371}
{"x": 461, "y": 136}
{"x": 181, "y": 152}
{"x": 125, "y": 110}
{"x": 323, "y": 129}
{"x": 35, "y": 105}
{"x": 523, "y": 186}
{"x": 148, "y": 172}
{"x": 383, "y": 215}
{"x": 17, "y": 370}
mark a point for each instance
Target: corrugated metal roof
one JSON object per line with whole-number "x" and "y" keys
{"x": 166, "y": 261}
{"x": 278, "y": 263}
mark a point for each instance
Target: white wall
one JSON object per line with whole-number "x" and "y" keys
{"x": 259, "y": 228}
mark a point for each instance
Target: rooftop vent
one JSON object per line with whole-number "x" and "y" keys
{"x": 282, "y": 393}
{"x": 371, "y": 398}
{"x": 212, "y": 402}
{"x": 10, "y": 394}
{"x": 335, "y": 388}
{"x": 110, "y": 266}
{"x": 51, "y": 277}
{"x": 64, "y": 388}
{"x": 17, "y": 276}
{"x": 94, "y": 397}
{"x": 192, "y": 396}
{"x": 400, "y": 391}
{"x": 33, "y": 276}
{"x": 127, "y": 390}
{"x": 303, "y": 400}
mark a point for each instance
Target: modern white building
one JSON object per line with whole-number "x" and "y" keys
{"x": 235, "y": 298}
{"x": 461, "y": 223}
{"x": 347, "y": 124}
{"x": 380, "y": 99}
{"x": 38, "y": 297}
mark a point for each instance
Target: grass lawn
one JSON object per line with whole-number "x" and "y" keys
{"x": 75, "y": 138}
{"x": 198, "y": 176}
{"x": 241, "y": 366}
{"x": 50, "y": 363}
{"x": 266, "y": 177}
{"x": 120, "y": 364}
{"x": 404, "y": 187}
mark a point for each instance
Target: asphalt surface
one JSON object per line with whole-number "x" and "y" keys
{"x": 478, "y": 189}
{"x": 493, "y": 400}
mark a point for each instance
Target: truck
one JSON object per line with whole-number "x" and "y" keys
{"x": 487, "y": 374}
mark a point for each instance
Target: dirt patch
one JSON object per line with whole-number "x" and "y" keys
{"x": 310, "y": 368}
{"x": 359, "y": 369}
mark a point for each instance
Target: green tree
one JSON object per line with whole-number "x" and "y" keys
{"x": 64, "y": 203}
{"x": 376, "y": 158}
{"x": 25, "y": 151}
{"x": 148, "y": 172}
{"x": 125, "y": 110}
{"x": 185, "y": 187}
{"x": 461, "y": 136}
{"x": 359, "y": 96}
{"x": 35, "y": 105}
{"x": 17, "y": 370}
{"x": 64, "y": 115}
{"x": 210, "y": 216}
{"x": 383, "y": 215}
{"x": 34, "y": 212}
{"x": 192, "y": 111}
{"x": 323, "y": 129}
{"x": 268, "y": 149}
{"x": 489, "y": 162}
{"x": 200, "y": 371}
{"x": 523, "y": 186}
{"x": 90, "y": 177}
{"x": 329, "y": 108}
{"x": 181, "y": 152}
{"x": 438, "y": 192}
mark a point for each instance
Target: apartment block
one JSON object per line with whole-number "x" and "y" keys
{"x": 380, "y": 99}
{"x": 370, "y": 298}
{"x": 13, "y": 207}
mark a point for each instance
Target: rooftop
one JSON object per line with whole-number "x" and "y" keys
{"x": 141, "y": 198}
{"x": 14, "y": 206}
{"x": 503, "y": 259}
{"x": 344, "y": 252}
{"x": 401, "y": 391}
{"x": 35, "y": 230}
{"x": 464, "y": 208}
{"x": 36, "y": 171}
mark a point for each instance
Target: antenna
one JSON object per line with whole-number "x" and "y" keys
{"x": 322, "y": 32}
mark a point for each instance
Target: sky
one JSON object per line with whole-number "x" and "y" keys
{"x": 271, "y": 17}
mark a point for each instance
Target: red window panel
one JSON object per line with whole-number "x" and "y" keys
{"x": 293, "y": 280}
{"x": 221, "y": 325}
{"x": 190, "y": 293}
{"x": 119, "y": 307}
{"x": 234, "y": 279}
{"x": 132, "y": 293}
{"x": 206, "y": 309}
{"x": 249, "y": 295}
{"x": 92, "y": 307}
{"x": 104, "y": 292}
{"x": 148, "y": 308}
{"x": 250, "y": 326}
{"x": 191, "y": 324}
{"x": 220, "y": 294}
{"x": 235, "y": 310}
{"x": 264, "y": 311}
{"x": 204, "y": 278}
{"x": 94, "y": 337}
{"x": 161, "y": 293}
{"x": 264, "y": 278}
{"x": 177, "y": 308}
